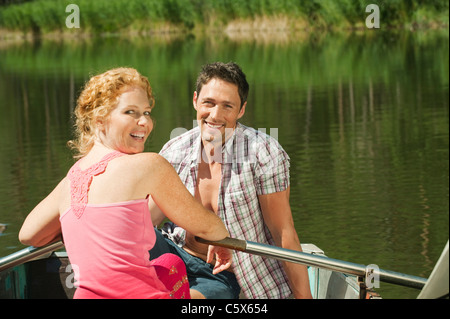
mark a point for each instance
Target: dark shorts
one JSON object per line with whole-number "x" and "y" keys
{"x": 221, "y": 286}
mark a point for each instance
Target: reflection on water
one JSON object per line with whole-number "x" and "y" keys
{"x": 363, "y": 118}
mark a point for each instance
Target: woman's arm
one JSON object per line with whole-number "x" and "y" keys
{"x": 157, "y": 215}
{"x": 42, "y": 225}
{"x": 175, "y": 201}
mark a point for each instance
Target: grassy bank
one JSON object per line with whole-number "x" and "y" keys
{"x": 112, "y": 16}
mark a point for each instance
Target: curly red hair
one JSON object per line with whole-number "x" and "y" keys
{"x": 98, "y": 98}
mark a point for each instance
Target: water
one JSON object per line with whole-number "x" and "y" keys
{"x": 364, "y": 118}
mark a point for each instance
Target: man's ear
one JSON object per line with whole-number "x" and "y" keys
{"x": 194, "y": 100}
{"x": 242, "y": 111}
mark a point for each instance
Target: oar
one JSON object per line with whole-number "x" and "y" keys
{"x": 28, "y": 254}
{"x": 318, "y": 261}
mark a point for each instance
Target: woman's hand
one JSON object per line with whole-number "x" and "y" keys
{"x": 223, "y": 257}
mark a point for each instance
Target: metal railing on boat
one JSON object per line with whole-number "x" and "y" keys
{"x": 349, "y": 268}
{"x": 27, "y": 254}
{"x": 249, "y": 247}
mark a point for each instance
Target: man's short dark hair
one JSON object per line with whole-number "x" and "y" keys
{"x": 229, "y": 72}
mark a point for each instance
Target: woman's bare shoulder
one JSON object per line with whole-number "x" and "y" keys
{"x": 145, "y": 161}
{"x": 147, "y": 157}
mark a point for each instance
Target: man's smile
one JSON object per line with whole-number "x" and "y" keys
{"x": 214, "y": 125}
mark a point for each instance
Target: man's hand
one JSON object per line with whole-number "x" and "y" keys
{"x": 223, "y": 258}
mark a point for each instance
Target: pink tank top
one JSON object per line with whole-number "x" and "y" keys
{"x": 108, "y": 244}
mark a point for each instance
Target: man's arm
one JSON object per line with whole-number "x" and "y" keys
{"x": 278, "y": 218}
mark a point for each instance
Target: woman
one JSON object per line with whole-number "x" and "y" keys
{"x": 102, "y": 205}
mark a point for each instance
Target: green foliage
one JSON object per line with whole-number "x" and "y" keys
{"x": 114, "y": 15}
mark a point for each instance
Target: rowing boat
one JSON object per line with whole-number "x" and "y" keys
{"x": 51, "y": 276}
{"x": 46, "y": 272}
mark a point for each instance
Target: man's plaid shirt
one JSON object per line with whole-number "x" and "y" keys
{"x": 253, "y": 163}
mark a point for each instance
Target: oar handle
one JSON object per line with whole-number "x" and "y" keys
{"x": 314, "y": 261}
{"x": 227, "y": 242}
{"x": 28, "y": 254}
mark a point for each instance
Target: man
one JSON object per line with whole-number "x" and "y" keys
{"x": 243, "y": 176}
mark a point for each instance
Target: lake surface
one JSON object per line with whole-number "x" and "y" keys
{"x": 364, "y": 118}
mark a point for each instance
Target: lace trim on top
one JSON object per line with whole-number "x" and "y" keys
{"x": 80, "y": 181}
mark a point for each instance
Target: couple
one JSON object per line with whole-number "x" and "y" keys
{"x": 108, "y": 234}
